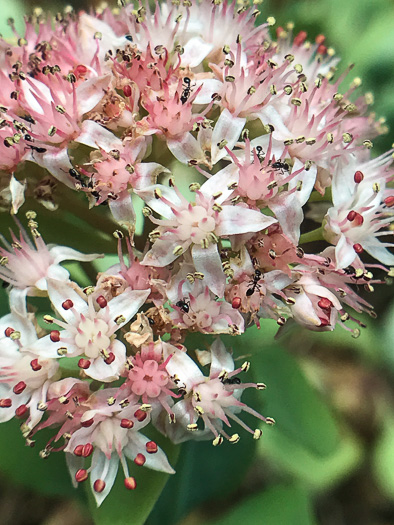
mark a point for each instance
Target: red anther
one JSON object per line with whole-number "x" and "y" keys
{"x": 127, "y": 90}
{"x": 279, "y": 31}
{"x": 67, "y": 304}
{"x": 236, "y": 302}
{"x": 358, "y": 248}
{"x": 151, "y": 447}
{"x": 35, "y": 365}
{"x": 19, "y": 387}
{"x": 87, "y": 450}
{"x": 21, "y": 411}
{"x": 130, "y": 483}
{"x": 180, "y": 347}
{"x": 5, "y": 403}
{"x": 99, "y": 485}
{"x": 139, "y": 459}
{"x": 55, "y": 336}
{"x": 324, "y": 303}
{"x": 126, "y": 423}
{"x": 324, "y": 322}
{"x": 87, "y": 423}
{"x": 78, "y": 450}
{"x": 110, "y": 359}
{"x": 80, "y": 70}
{"x": 8, "y": 331}
{"x": 101, "y": 301}
{"x": 84, "y": 363}
{"x": 81, "y": 475}
{"x": 358, "y": 219}
{"x": 322, "y": 49}
{"x": 300, "y": 38}
{"x": 351, "y": 215}
{"x": 320, "y": 39}
{"x": 358, "y": 177}
{"x": 389, "y": 201}
{"x": 140, "y": 415}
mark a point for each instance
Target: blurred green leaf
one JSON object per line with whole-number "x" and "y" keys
{"x": 279, "y": 505}
{"x": 23, "y": 466}
{"x": 300, "y": 414}
{"x": 204, "y": 473}
{"x": 384, "y": 457}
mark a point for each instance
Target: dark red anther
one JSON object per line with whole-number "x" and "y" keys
{"x": 87, "y": 423}
{"x": 140, "y": 415}
{"x": 322, "y": 49}
{"x": 320, "y": 39}
{"x": 151, "y": 447}
{"x": 324, "y": 303}
{"x": 279, "y": 31}
{"x": 84, "y": 363}
{"x": 5, "y": 403}
{"x": 55, "y": 336}
{"x": 101, "y": 301}
{"x": 358, "y": 177}
{"x": 21, "y": 411}
{"x": 78, "y": 450}
{"x": 351, "y": 215}
{"x": 110, "y": 359}
{"x": 130, "y": 483}
{"x": 19, "y": 387}
{"x": 358, "y": 248}
{"x": 35, "y": 365}
{"x": 80, "y": 70}
{"x": 87, "y": 450}
{"x": 127, "y": 90}
{"x": 126, "y": 423}
{"x": 99, "y": 485}
{"x": 236, "y": 302}
{"x": 81, "y": 475}
{"x": 300, "y": 38}
{"x": 389, "y": 201}
{"x": 67, "y": 304}
{"x": 8, "y": 331}
{"x": 324, "y": 322}
{"x": 139, "y": 459}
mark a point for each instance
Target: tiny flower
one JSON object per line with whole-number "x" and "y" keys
{"x": 89, "y": 329}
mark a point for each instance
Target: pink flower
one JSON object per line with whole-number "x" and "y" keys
{"x": 198, "y": 226}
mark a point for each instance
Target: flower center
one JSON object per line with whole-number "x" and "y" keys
{"x": 195, "y": 224}
{"x": 92, "y": 336}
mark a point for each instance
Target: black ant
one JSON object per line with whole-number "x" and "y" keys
{"x": 254, "y": 283}
{"x": 78, "y": 177}
{"x": 186, "y": 90}
{"x": 183, "y": 305}
{"x": 29, "y": 119}
{"x": 260, "y": 153}
{"x": 279, "y": 165}
{"x": 231, "y": 381}
{"x": 37, "y": 149}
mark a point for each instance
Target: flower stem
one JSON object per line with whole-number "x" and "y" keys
{"x": 314, "y": 235}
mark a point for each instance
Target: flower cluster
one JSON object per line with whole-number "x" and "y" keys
{"x": 130, "y": 103}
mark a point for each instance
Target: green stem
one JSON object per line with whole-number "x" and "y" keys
{"x": 314, "y": 235}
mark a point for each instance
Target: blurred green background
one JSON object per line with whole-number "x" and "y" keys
{"x": 330, "y": 458}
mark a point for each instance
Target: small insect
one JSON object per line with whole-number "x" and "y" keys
{"x": 183, "y": 305}
{"x": 232, "y": 381}
{"x": 279, "y": 165}
{"x": 29, "y": 119}
{"x": 260, "y": 153}
{"x": 186, "y": 90}
{"x": 78, "y": 177}
{"x": 254, "y": 283}
{"x": 37, "y": 149}
{"x": 129, "y": 38}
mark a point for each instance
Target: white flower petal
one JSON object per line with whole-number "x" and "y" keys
{"x": 227, "y": 128}
{"x": 127, "y": 304}
{"x": 96, "y": 136}
{"x": 90, "y": 92}
{"x": 59, "y": 292}
{"x": 221, "y": 358}
{"x": 237, "y": 219}
{"x": 157, "y": 461}
{"x": 194, "y": 52}
{"x": 104, "y": 469}
{"x": 17, "y": 190}
{"x": 208, "y": 262}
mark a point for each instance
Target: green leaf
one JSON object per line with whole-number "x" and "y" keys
{"x": 384, "y": 457}
{"x": 299, "y": 411}
{"x": 23, "y": 466}
{"x": 126, "y": 506}
{"x": 279, "y": 505}
{"x": 204, "y": 472}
